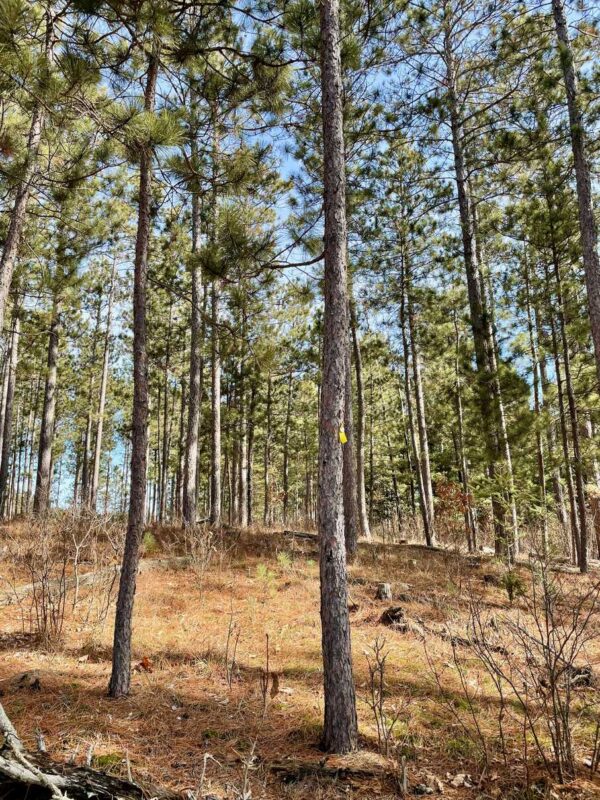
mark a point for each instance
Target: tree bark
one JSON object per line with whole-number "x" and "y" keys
{"x": 41, "y": 500}
{"x": 18, "y": 214}
{"x": 102, "y": 398}
{"x": 267, "y": 510}
{"x": 537, "y": 409}
{"x": 350, "y": 495}
{"x": 361, "y": 492}
{"x": 424, "y": 463}
{"x": 165, "y": 445}
{"x": 587, "y": 223}
{"x": 12, "y": 362}
{"x": 242, "y": 484}
{"x": 340, "y": 727}
{"x": 286, "y": 450}
{"x": 469, "y": 514}
{"x": 477, "y": 311}
{"x": 121, "y": 661}
{"x": 190, "y": 490}
{"x": 215, "y": 474}
{"x": 250, "y": 457}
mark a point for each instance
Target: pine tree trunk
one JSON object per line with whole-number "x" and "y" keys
{"x": 286, "y": 451}
{"x": 250, "y": 459}
{"x": 340, "y": 728}
{"x": 501, "y": 425}
{"x": 267, "y": 510}
{"x": 41, "y": 500}
{"x": 242, "y": 472}
{"x": 12, "y": 362}
{"x": 557, "y": 487}
{"x": 190, "y": 490}
{"x": 102, "y": 398}
{"x": 459, "y": 444}
{"x": 181, "y": 442}
{"x": 215, "y": 474}
{"x": 573, "y": 414}
{"x": 18, "y": 214}
{"x": 165, "y": 444}
{"x": 406, "y": 349}
{"x": 581, "y": 533}
{"x": 350, "y": 495}
{"x": 121, "y": 661}
{"x": 537, "y": 408}
{"x": 390, "y": 450}
{"x": 87, "y": 439}
{"x": 363, "y": 516}
{"x": 424, "y": 463}
{"x": 5, "y": 375}
{"x": 587, "y": 223}
{"x": 479, "y": 326}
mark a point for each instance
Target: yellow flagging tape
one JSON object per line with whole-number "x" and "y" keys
{"x": 343, "y": 437}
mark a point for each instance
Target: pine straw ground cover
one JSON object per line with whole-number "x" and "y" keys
{"x": 196, "y": 719}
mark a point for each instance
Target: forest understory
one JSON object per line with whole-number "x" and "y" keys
{"x": 227, "y": 700}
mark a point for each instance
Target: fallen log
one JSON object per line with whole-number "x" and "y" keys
{"x": 36, "y": 777}
{"x": 301, "y": 535}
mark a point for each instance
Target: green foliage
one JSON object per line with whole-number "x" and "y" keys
{"x": 514, "y": 585}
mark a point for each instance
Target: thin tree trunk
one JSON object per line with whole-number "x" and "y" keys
{"x": 482, "y": 345}
{"x": 581, "y": 530}
{"x": 573, "y": 414}
{"x": 340, "y": 727}
{"x": 242, "y": 487}
{"x": 429, "y": 521}
{"x": 190, "y": 490}
{"x": 361, "y": 493}
{"x": 121, "y": 662}
{"x": 5, "y": 375}
{"x": 573, "y": 512}
{"x": 102, "y": 398}
{"x": 165, "y": 445}
{"x": 537, "y": 409}
{"x": 215, "y": 474}
{"x": 267, "y": 510}
{"x": 410, "y": 353}
{"x": 12, "y": 362}
{"x": 286, "y": 451}
{"x": 557, "y": 487}
{"x": 587, "y": 223}
{"x": 181, "y": 442}
{"x": 250, "y": 459}
{"x": 18, "y": 214}
{"x": 350, "y": 495}
{"x": 407, "y": 447}
{"x": 87, "y": 440}
{"x": 41, "y": 500}
{"x": 459, "y": 439}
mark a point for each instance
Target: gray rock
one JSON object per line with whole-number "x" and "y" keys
{"x": 384, "y": 591}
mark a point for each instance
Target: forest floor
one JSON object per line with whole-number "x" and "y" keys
{"x": 201, "y": 718}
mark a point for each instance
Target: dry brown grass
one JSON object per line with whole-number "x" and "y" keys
{"x": 182, "y": 707}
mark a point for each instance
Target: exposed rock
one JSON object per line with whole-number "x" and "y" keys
{"x": 434, "y": 783}
{"x": 395, "y": 616}
{"x": 422, "y": 789}
{"x": 461, "y": 779}
{"x": 384, "y": 591}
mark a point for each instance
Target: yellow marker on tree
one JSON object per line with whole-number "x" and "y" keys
{"x": 343, "y": 437}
